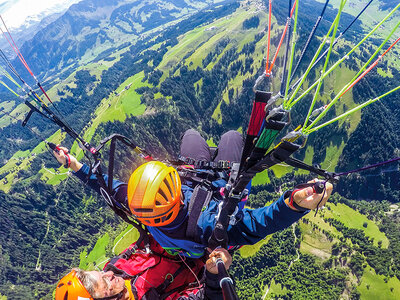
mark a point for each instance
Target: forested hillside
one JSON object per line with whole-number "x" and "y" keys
{"x": 150, "y": 70}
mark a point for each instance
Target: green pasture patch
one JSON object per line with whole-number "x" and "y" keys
{"x": 332, "y": 156}
{"x": 13, "y": 166}
{"x": 96, "y": 257}
{"x": 217, "y": 114}
{"x": 227, "y": 26}
{"x": 373, "y": 286}
{"x": 211, "y": 65}
{"x": 250, "y": 250}
{"x": 211, "y": 143}
{"x": 198, "y": 84}
{"x": 280, "y": 170}
{"x": 18, "y": 113}
{"x": 125, "y": 239}
{"x": 353, "y": 219}
{"x": 320, "y": 222}
{"x": 314, "y": 242}
{"x": 261, "y": 178}
{"x": 384, "y": 73}
{"x": 124, "y": 102}
{"x": 21, "y": 154}
{"x": 7, "y": 105}
{"x": 308, "y": 159}
{"x": 57, "y": 179}
{"x": 276, "y": 291}
{"x": 55, "y": 138}
{"x": 187, "y": 42}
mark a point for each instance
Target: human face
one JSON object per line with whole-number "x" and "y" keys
{"x": 108, "y": 284}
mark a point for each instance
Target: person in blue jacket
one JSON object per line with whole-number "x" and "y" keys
{"x": 158, "y": 198}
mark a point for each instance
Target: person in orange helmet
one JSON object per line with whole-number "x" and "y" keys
{"x": 161, "y": 200}
{"x": 142, "y": 276}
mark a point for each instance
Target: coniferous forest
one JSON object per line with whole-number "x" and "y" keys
{"x": 150, "y": 72}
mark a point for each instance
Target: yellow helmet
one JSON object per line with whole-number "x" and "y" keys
{"x": 71, "y": 288}
{"x": 154, "y": 193}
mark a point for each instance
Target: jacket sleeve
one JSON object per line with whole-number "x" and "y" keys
{"x": 119, "y": 188}
{"x": 253, "y": 225}
{"x": 209, "y": 291}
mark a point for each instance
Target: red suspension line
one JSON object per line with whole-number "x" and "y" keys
{"x": 21, "y": 58}
{"x": 268, "y": 72}
{"x": 370, "y": 67}
{"x": 15, "y": 48}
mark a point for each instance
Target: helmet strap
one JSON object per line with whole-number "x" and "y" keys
{"x": 113, "y": 297}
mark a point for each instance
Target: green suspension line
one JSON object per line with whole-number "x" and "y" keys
{"x": 287, "y": 104}
{"x": 340, "y": 94}
{"x": 316, "y": 93}
{"x": 323, "y": 76}
{"x": 8, "y": 88}
{"x": 292, "y": 50}
{"x": 357, "y": 108}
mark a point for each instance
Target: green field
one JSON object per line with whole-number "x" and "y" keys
{"x": 275, "y": 290}
{"x": 373, "y": 286}
{"x": 97, "y": 257}
{"x": 314, "y": 242}
{"x": 354, "y": 219}
{"x": 250, "y": 250}
{"x": 124, "y": 239}
{"x": 261, "y": 178}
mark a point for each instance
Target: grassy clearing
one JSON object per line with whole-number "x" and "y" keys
{"x": 19, "y": 161}
{"x": 211, "y": 143}
{"x": 314, "y": 242}
{"x": 319, "y": 221}
{"x": 125, "y": 239}
{"x": 18, "y": 113}
{"x": 96, "y": 257}
{"x": 275, "y": 290}
{"x": 124, "y": 102}
{"x": 307, "y": 159}
{"x": 261, "y": 178}
{"x": 353, "y": 219}
{"x": 280, "y": 170}
{"x": 332, "y": 156}
{"x": 250, "y": 250}
{"x": 217, "y": 115}
{"x": 373, "y": 286}
{"x": 384, "y": 73}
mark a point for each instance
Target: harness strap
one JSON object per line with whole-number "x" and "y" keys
{"x": 200, "y": 198}
{"x": 204, "y": 164}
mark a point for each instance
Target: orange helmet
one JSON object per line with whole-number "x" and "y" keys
{"x": 154, "y": 192}
{"x": 71, "y": 288}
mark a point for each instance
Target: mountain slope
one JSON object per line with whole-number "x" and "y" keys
{"x": 198, "y": 71}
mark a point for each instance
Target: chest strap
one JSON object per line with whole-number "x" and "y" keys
{"x": 201, "y": 196}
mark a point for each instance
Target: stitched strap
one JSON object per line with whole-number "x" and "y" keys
{"x": 200, "y": 198}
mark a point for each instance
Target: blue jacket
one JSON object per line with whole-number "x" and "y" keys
{"x": 251, "y": 225}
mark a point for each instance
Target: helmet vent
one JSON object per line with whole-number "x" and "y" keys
{"x": 60, "y": 285}
{"x": 161, "y": 192}
{"x": 142, "y": 210}
{"x": 173, "y": 179}
{"x": 169, "y": 216}
{"x": 168, "y": 186}
{"x": 66, "y": 296}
